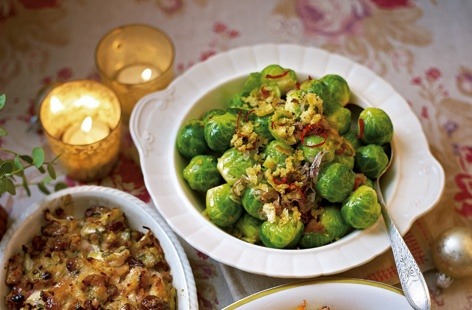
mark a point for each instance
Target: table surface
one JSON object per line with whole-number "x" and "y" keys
{"x": 423, "y": 48}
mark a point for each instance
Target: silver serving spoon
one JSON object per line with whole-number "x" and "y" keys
{"x": 411, "y": 279}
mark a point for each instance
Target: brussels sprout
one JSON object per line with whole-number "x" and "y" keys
{"x": 191, "y": 139}
{"x": 285, "y": 79}
{"x": 341, "y": 119}
{"x": 315, "y": 239}
{"x": 238, "y": 102}
{"x": 232, "y": 165}
{"x": 330, "y": 227}
{"x": 267, "y": 91}
{"x": 248, "y": 228}
{"x": 338, "y": 88}
{"x": 305, "y": 85}
{"x": 351, "y": 136}
{"x": 335, "y": 181}
{"x": 375, "y": 126}
{"x": 369, "y": 182}
{"x": 371, "y": 160}
{"x": 220, "y": 207}
{"x": 262, "y": 125}
{"x": 320, "y": 88}
{"x": 275, "y": 154}
{"x": 346, "y": 160}
{"x": 293, "y": 102}
{"x": 210, "y": 114}
{"x": 252, "y": 82}
{"x": 201, "y": 173}
{"x": 282, "y": 126}
{"x": 312, "y": 145}
{"x": 219, "y": 130}
{"x": 282, "y": 233}
{"x": 361, "y": 209}
{"x": 252, "y": 203}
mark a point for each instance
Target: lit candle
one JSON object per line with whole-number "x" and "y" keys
{"x": 86, "y": 133}
{"x": 137, "y": 74}
{"x": 81, "y": 120}
{"x": 135, "y": 60}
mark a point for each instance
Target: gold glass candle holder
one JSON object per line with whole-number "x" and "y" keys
{"x": 82, "y": 121}
{"x": 135, "y": 60}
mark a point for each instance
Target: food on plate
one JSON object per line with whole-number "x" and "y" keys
{"x": 294, "y": 160}
{"x": 202, "y": 173}
{"x": 303, "y": 306}
{"x": 92, "y": 262}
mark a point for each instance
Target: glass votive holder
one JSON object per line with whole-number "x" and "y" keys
{"x": 135, "y": 60}
{"x": 82, "y": 122}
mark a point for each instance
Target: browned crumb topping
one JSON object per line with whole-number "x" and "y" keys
{"x": 94, "y": 262}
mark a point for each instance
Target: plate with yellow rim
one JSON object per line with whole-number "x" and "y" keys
{"x": 332, "y": 293}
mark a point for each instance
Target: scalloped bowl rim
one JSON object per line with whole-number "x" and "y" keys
{"x": 138, "y": 215}
{"x": 154, "y": 125}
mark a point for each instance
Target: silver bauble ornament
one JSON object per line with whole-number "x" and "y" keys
{"x": 452, "y": 252}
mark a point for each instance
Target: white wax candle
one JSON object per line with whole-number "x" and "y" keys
{"x": 86, "y": 133}
{"x": 137, "y": 74}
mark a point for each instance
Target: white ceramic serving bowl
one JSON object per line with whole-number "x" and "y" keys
{"x": 138, "y": 215}
{"x": 412, "y": 186}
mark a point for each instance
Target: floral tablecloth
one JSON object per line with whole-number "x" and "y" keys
{"x": 423, "y": 48}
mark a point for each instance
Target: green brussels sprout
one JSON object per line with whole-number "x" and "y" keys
{"x": 282, "y": 233}
{"x": 219, "y": 130}
{"x": 210, "y": 114}
{"x": 236, "y": 111}
{"x": 248, "y": 228}
{"x": 361, "y": 209}
{"x": 201, "y": 173}
{"x": 320, "y": 88}
{"x": 346, "y": 160}
{"x": 305, "y": 85}
{"x": 252, "y": 203}
{"x": 313, "y": 144}
{"x": 335, "y": 182}
{"x": 369, "y": 182}
{"x": 220, "y": 207}
{"x": 315, "y": 239}
{"x": 338, "y": 88}
{"x": 330, "y": 227}
{"x": 267, "y": 91}
{"x": 371, "y": 160}
{"x": 191, "y": 139}
{"x": 351, "y": 136}
{"x": 252, "y": 82}
{"x": 232, "y": 165}
{"x": 262, "y": 125}
{"x": 282, "y": 126}
{"x": 293, "y": 102}
{"x": 238, "y": 102}
{"x": 275, "y": 154}
{"x": 341, "y": 119}
{"x": 285, "y": 79}
{"x": 375, "y": 126}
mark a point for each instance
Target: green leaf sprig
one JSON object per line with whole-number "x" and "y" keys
{"x": 12, "y": 169}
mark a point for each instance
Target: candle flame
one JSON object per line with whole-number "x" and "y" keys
{"x": 86, "y": 124}
{"x": 87, "y": 101}
{"x": 56, "y": 105}
{"x": 146, "y": 74}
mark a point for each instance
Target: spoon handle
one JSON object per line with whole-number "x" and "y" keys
{"x": 411, "y": 279}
